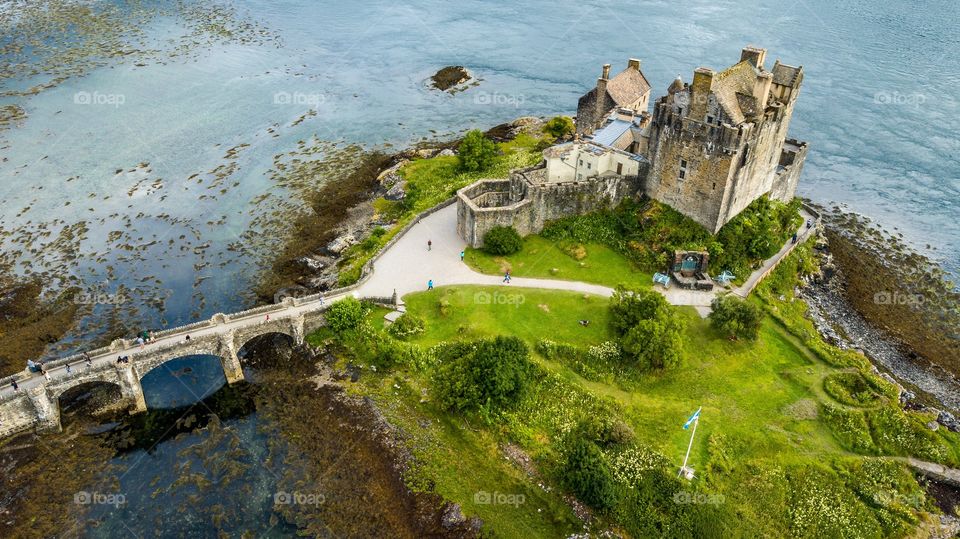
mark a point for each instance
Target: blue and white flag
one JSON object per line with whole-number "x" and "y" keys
{"x": 694, "y": 417}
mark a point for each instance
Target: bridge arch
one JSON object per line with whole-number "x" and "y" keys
{"x": 86, "y": 397}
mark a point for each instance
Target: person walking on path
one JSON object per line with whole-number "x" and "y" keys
{"x": 86, "y": 358}
{"x": 429, "y": 245}
{"x": 430, "y": 284}
{"x": 462, "y": 254}
{"x": 69, "y": 370}
{"x": 13, "y": 384}
{"x": 506, "y": 277}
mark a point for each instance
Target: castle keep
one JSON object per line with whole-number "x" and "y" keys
{"x": 708, "y": 149}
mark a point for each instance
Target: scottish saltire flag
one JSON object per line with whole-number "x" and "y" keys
{"x": 694, "y": 417}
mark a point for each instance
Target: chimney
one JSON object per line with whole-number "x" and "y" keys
{"x": 761, "y": 90}
{"x": 700, "y": 92}
{"x": 633, "y": 63}
{"x": 754, "y": 55}
{"x": 606, "y": 72}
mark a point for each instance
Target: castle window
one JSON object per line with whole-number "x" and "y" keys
{"x": 588, "y": 166}
{"x": 683, "y": 173}
{"x": 709, "y": 119}
{"x": 714, "y": 186}
{"x": 581, "y": 162}
{"x": 619, "y": 168}
{"x": 683, "y": 163}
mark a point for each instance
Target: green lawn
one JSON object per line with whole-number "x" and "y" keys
{"x": 471, "y": 312}
{"x": 763, "y": 441}
{"x": 590, "y": 263}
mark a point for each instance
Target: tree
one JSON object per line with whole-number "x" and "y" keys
{"x": 489, "y": 373}
{"x": 649, "y": 329}
{"x": 735, "y": 317}
{"x": 655, "y": 343}
{"x": 476, "y": 152}
{"x": 559, "y": 126}
{"x": 345, "y": 315}
{"x": 502, "y": 241}
{"x": 587, "y": 474}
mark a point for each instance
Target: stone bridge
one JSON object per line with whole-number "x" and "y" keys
{"x": 37, "y": 402}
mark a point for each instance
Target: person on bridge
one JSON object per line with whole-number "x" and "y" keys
{"x": 86, "y": 358}
{"x": 69, "y": 370}
{"x": 13, "y": 384}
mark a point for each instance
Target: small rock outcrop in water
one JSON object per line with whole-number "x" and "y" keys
{"x": 450, "y": 77}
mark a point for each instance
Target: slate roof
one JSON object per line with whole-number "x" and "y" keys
{"x": 785, "y": 75}
{"x": 732, "y": 86}
{"x": 609, "y": 133}
{"x": 628, "y": 86}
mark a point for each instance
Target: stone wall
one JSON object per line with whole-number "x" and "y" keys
{"x": 788, "y": 175}
{"x": 531, "y": 205}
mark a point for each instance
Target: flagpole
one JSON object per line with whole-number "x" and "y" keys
{"x": 690, "y": 445}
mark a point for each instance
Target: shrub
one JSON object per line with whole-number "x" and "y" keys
{"x": 346, "y": 314}
{"x": 476, "y": 152}
{"x": 850, "y": 388}
{"x": 559, "y": 126}
{"x": 899, "y": 433}
{"x": 488, "y": 373}
{"x": 649, "y": 329}
{"x": 502, "y": 241}
{"x": 407, "y": 326}
{"x": 735, "y": 317}
{"x": 587, "y": 474}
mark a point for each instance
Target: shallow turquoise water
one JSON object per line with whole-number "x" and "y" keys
{"x": 878, "y": 107}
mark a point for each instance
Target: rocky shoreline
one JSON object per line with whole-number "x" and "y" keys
{"x": 924, "y": 384}
{"x": 317, "y": 262}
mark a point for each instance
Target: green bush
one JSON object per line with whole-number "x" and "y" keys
{"x": 587, "y": 474}
{"x": 850, "y": 388}
{"x": 559, "y": 126}
{"x": 735, "y": 317}
{"x": 502, "y": 241}
{"x": 346, "y": 314}
{"x": 649, "y": 329}
{"x": 487, "y": 374}
{"x": 407, "y": 326}
{"x": 476, "y": 152}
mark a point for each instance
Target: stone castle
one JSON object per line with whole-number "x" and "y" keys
{"x": 708, "y": 149}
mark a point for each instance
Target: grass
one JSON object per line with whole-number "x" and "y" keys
{"x": 430, "y": 182}
{"x": 772, "y": 439}
{"x": 589, "y": 263}
{"x": 471, "y": 312}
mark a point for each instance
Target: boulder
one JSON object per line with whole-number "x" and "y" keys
{"x": 338, "y": 245}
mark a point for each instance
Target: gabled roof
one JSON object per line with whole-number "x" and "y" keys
{"x": 785, "y": 75}
{"x": 731, "y": 86}
{"x": 628, "y": 86}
